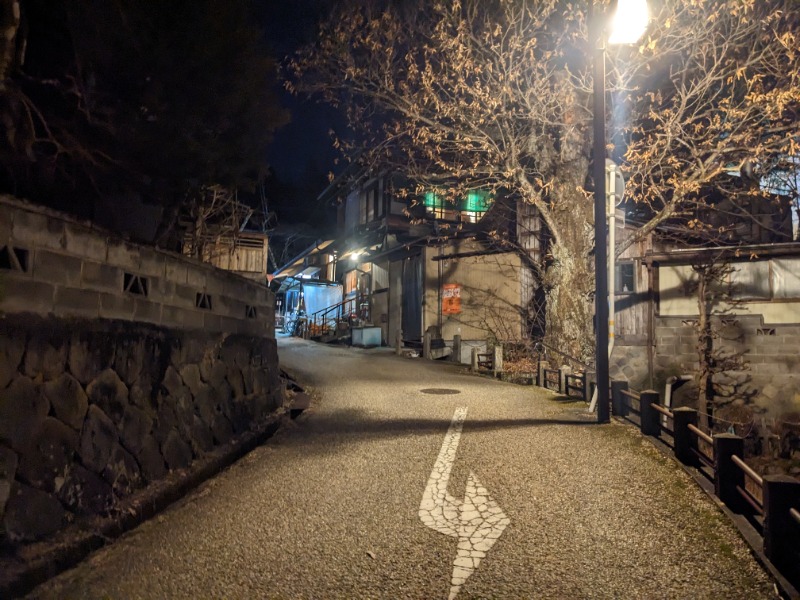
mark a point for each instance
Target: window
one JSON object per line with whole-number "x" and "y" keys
{"x": 371, "y": 205}
{"x": 475, "y": 205}
{"x": 750, "y": 281}
{"x": 435, "y": 205}
{"x": 350, "y": 282}
{"x": 625, "y": 278}
{"x": 786, "y": 278}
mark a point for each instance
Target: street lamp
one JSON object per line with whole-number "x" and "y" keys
{"x": 627, "y": 26}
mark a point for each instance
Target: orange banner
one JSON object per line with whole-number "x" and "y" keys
{"x": 451, "y": 299}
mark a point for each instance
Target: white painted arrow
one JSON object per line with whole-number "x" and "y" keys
{"x": 477, "y": 522}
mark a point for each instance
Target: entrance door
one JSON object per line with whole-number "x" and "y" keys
{"x": 412, "y": 298}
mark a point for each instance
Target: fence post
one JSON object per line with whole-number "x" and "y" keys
{"x": 398, "y": 342}
{"x": 562, "y": 378}
{"x": 727, "y": 475}
{"x": 685, "y": 440}
{"x": 781, "y": 493}
{"x": 474, "y": 359}
{"x": 540, "y": 376}
{"x": 618, "y": 402}
{"x": 588, "y": 377}
{"x": 651, "y": 422}
{"x": 497, "y": 359}
{"x": 426, "y": 345}
{"x": 456, "y": 355}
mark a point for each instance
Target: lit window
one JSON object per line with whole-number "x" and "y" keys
{"x": 435, "y": 205}
{"x": 471, "y": 216}
{"x": 476, "y": 203}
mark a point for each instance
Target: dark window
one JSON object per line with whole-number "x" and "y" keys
{"x": 625, "y": 278}
{"x": 249, "y": 311}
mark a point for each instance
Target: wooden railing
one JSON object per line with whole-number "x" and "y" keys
{"x": 771, "y": 503}
{"x": 564, "y": 381}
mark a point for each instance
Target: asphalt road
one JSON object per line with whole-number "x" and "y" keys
{"x": 545, "y": 503}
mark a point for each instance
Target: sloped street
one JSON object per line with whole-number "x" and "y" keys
{"x": 383, "y": 489}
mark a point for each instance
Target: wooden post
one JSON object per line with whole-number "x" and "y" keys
{"x": 474, "y": 359}
{"x": 426, "y": 345}
{"x": 781, "y": 493}
{"x": 562, "y": 378}
{"x": 651, "y": 423}
{"x": 588, "y": 378}
{"x": 456, "y": 355}
{"x": 398, "y": 342}
{"x": 540, "y": 375}
{"x": 727, "y": 475}
{"x": 619, "y": 402}
{"x": 685, "y": 440}
{"x": 497, "y": 360}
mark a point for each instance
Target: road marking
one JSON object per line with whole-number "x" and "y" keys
{"x": 477, "y": 522}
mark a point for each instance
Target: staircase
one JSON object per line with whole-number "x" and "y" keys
{"x": 332, "y": 324}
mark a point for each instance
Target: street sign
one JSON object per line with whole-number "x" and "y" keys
{"x": 615, "y": 183}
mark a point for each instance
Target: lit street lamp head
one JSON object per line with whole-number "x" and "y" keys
{"x": 629, "y": 22}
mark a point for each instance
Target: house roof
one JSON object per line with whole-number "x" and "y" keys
{"x": 688, "y": 255}
{"x": 295, "y": 266}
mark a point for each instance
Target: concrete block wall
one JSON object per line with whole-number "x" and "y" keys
{"x": 773, "y": 352}
{"x": 51, "y": 264}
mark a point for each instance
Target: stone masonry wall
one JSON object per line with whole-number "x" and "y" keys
{"x": 89, "y": 414}
{"x": 118, "y": 363}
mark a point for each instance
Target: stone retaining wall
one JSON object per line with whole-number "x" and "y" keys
{"x": 91, "y": 412}
{"x": 118, "y": 363}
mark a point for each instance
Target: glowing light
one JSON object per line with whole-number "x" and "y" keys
{"x": 629, "y": 22}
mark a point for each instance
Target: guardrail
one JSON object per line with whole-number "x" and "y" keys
{"x": 771, "y": 503}
{"x": 564, "y": 381}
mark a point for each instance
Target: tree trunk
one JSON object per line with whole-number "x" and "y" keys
{"x": 705, "y": 351}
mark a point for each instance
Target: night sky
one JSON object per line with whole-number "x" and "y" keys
{"x": 303, "y": 147}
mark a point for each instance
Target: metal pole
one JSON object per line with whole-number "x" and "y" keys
{"x": 600, "y": 229}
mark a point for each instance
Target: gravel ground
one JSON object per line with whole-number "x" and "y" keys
{"x": 329, "y": 507}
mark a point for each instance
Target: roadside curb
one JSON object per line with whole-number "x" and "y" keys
{"x": 20, "y": 574}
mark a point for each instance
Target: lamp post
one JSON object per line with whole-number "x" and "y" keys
{"x": 628, "y": 25}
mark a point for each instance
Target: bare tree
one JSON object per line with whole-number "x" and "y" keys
{"x": 497, "y": 94}
{"x": 722, "y": 372}
{"x": 215, "y": 220}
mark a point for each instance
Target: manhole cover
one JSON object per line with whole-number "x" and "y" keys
{"x": 440, "y": 391}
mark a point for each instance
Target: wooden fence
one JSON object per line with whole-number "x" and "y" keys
{"x": 771, "y": 503}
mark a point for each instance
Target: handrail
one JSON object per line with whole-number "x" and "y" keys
{"x": 662, "y": 410}
{"x": 702, "y": 435}
{"x": 748, "y": 470}
{"x": 630, "y": 394}
{"x": 795, "y": 514}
